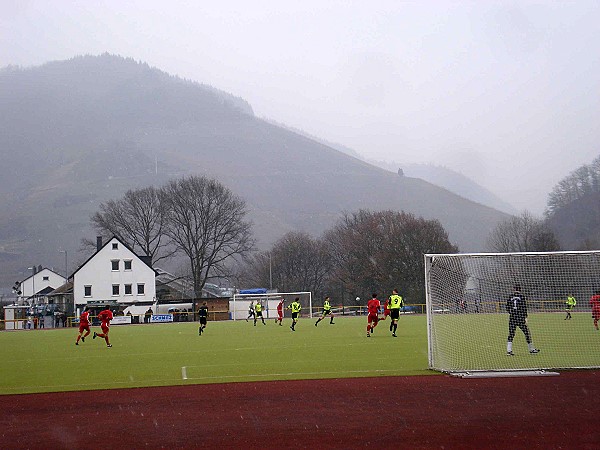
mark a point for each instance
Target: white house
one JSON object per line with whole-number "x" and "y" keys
{"x": 40, "y": 281}
{"x": 114, "y": 273}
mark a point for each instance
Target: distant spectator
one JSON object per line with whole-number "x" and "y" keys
{"x": 148, "y": 315}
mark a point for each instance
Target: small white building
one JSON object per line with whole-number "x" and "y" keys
{"x": 114, "y": 273}
{"x": 41, "y": 280}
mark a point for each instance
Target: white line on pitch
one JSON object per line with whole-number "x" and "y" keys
{"x": 259, "y": 375}
{"x": 184, "y": 373}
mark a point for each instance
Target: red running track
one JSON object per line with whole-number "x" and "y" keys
{"x": 375, "y": 413}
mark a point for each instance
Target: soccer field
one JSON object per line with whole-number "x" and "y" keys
{"x": 174, "y": 354}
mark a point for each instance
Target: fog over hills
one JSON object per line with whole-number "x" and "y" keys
{"x": 76, "y": 133}
{"x": 435, "y": 174}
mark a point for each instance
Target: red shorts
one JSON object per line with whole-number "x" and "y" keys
{"x": 104, "y": 328}
{"x": 596, "y": 314}
{"x": 372, "y": 318}
{"x": 280, "y": 314}
{"x": 83, "y": 328}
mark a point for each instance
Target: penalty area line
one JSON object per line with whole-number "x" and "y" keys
{"x": 184, "y": 373}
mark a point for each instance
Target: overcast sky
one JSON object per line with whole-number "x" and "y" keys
{"x": 507, "y": 93}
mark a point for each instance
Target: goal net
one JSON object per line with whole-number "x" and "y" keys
{"x": 240, "y": 304}
{"x": 468, "y": 322}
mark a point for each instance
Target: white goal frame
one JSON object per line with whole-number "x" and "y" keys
{"x": 270, "y": 300}
{"x": 467, "y": 322}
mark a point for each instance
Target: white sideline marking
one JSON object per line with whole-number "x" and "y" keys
{"x": 184, "y": 373}
{"x": 287, "y": 374}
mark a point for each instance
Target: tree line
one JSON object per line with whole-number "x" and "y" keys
{"x": 579, "y": 183}
{"x": 200, "y": 219}
{"x": 363, "y": 252}
{"x": 525, "y": 232}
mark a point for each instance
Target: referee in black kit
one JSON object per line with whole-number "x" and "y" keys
{"x": 202, "y": 316}
{"x": 516, "y": 306}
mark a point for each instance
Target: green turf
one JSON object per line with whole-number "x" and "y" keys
{"x": 174, "y": 354}
{"x": 478, "y": 342}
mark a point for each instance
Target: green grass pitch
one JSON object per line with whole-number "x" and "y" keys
{"x": 478, "y": 342}
{"x": 174, "y": 354}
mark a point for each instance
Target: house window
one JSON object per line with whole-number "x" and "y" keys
{"x": 115, "y": 246}
{"x": 114, "y": 264}
{"x": 46, "y": 278}
{"x": 115, "y": 289}
{"x": 127, "y": 263}
{"x": 141, "y": 290}
{"x": 128, "y": 289}
{"x": 87, "y": 291}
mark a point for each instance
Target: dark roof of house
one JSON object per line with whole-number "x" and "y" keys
{"x": 66, "y": 288}
{"x": 44, "y": 268}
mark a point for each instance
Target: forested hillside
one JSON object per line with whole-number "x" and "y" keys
{"x": 574, "y": 208}
{"x": 79, "y": 132}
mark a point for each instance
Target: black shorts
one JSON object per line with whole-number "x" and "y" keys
{"x": 395, "y": 313}
{"x": 259, "y": 314}
{"x": 326, "y": 312}
{"x": 294, "y": 315}
{"x": 202, "y": 320}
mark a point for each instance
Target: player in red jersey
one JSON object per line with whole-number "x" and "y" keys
{"x": 279, "y": 312}
{"x": 84, "y": 325}
{"x": 105, "y": 317}
{"x": 373, "y": 306}
{"x": 386, "y": 310}
{"x": 595, "y": 304}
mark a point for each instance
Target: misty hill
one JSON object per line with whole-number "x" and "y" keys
{"x": 79, "y": 132}
{"x": 440, "y": 176}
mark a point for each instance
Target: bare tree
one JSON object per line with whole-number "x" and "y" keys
{"x": 300, "y": 263}
{"x": 380, "y": 251}
{"x": 138, "y": 219}
{"x": 207, "y": 223}
{"x": 296, "y": 262}
{"x": 353, "y": 244}
{"x": 524, "y": 233}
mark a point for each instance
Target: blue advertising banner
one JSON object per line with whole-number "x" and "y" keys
{"x": 161, "y": 318}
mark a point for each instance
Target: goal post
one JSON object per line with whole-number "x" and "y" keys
{"x": 240, "y": 304}
{"x": 467, "y": 318}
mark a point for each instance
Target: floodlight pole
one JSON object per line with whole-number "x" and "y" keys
{"x": 66, "y": 272}
{"x": 270, "y": 273}
{"x": 32, "y": 283}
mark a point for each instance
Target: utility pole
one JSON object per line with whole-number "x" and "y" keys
{"x": 66, "y": 272}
